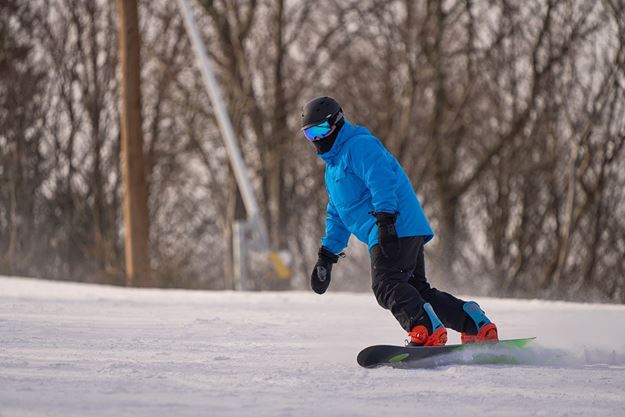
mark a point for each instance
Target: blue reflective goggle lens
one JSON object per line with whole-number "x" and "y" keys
{"x": 317, "y": 131}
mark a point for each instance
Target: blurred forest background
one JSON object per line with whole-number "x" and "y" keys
{"x": 508, "y": 117}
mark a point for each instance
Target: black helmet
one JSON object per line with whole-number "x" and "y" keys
{"x": 319, "y": 109}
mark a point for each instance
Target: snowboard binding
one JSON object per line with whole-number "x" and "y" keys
{"x": 486, "y": 331}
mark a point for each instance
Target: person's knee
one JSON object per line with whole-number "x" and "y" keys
{"x": 389, "y": 292}
{"x": 381, "y": 290}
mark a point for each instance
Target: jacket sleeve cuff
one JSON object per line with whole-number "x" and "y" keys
{"x": 333, "y": 245}
{"x": 385, "y": 208}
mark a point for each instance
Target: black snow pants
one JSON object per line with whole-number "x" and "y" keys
{"x": 400, "y": 285}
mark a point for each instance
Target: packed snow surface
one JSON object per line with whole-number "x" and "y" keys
{"x": 84, "y": 350}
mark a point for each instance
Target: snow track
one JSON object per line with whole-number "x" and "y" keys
{"x": 84, "y": 350}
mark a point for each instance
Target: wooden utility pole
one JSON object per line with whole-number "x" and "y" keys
{"x": 136, "y": 222}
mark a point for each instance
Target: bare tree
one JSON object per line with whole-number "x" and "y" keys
{"x": 22, "y": 85}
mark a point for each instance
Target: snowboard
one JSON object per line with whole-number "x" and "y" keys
{"x": 502, "y": 352}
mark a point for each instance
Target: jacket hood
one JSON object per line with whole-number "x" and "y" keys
{"x": 348, "y": 131}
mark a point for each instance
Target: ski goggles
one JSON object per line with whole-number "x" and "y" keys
{"x": 323, "y": 129}
{"x": 317, "y": 132}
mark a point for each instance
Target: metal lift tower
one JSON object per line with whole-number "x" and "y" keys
{"x": 252, "y": 233}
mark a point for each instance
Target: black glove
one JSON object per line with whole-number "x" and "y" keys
{"x": 387, "y": 235}
{"x": 320, "y": 278}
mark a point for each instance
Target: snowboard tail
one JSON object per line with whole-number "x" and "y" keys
{"x": 501, "y": 352}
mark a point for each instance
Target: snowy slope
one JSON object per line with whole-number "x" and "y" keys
{"x": 83, "y": 350}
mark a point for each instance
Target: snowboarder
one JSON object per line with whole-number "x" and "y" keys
{"x": 371, "y": 197}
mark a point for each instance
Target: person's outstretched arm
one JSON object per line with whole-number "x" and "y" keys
{"x": 337, "y": 235}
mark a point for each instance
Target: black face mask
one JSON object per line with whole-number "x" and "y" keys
{"x": 324, "y": 145}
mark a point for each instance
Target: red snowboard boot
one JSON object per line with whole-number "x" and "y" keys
{"x": 420, "y": 335}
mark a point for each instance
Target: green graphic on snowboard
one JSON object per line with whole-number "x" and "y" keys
{"x": 399, "y": 358}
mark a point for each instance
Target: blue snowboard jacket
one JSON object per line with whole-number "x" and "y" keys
{"x": 363, "y": 177}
